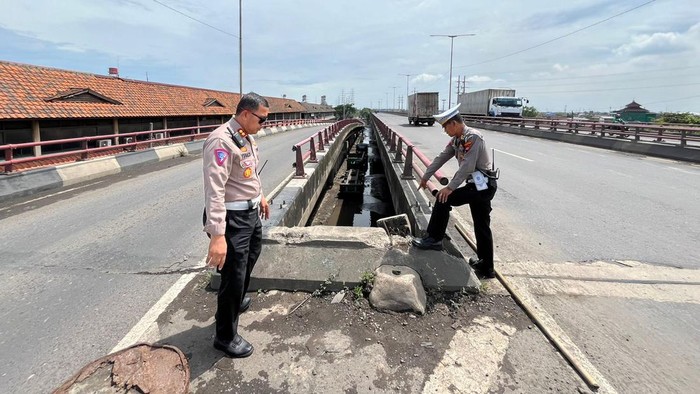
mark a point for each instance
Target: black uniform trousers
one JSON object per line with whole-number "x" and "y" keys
{"x": 480, "y": 206}
{"x": 244, "y": 243}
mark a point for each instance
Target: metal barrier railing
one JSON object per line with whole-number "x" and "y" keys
{"x": 682, "y": 134}
{"x": 317, "y": 143}
{"x": 131, "y": 141}
{"x": 396, "y": 143}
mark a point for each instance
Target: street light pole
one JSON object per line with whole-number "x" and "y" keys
{"x": 452, "y": 40}
{"x": 394, "y": 102}
{"x": 240, "y": 46}
{"x": 407, "y": 75}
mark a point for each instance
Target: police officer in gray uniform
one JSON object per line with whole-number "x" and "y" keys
{"x": 234, "y": 205}
{"x": 468, "y": 147}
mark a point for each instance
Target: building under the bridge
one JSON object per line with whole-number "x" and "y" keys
{"x": 41, "y": 104}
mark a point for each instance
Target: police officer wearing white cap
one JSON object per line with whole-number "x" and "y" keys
{"x": 234, "y": 205}
{"x": 468, "y": 147}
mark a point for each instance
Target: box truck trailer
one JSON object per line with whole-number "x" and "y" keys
{"x": 422, "y": 107}
{"x": 491, "y": 102}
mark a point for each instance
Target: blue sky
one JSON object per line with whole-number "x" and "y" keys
{"x": 335, "y": 48}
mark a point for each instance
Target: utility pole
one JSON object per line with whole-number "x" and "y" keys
{"x": 452, "y": 40}
{"x": 394, "y": 102}
{"x": 407, "y": 75}
{"x": 240, "y": 46}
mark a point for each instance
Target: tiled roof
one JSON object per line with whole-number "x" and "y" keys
{"x": 311, "y": 107}
{"x": 34, "y": 92}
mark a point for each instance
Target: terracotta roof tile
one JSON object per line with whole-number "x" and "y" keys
{"x": 24, "y": 90}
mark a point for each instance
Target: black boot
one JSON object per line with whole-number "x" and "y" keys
{"x": 245, "y": 304}
{"x": 238, "y": 348}
{"x": 483, "y": 270}
{"x": 427, "y": 242}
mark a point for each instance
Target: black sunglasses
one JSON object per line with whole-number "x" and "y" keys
{"x": 260, "y": 120}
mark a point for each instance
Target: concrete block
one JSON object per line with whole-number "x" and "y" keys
{"x": 397, "y": 289}
{"x": 170, "y": 151}
{"x": 85, "y": 170}
{"x": 136, "y": 159}
{"x": 29, "y": 182}
{"x": 194, "y": 147}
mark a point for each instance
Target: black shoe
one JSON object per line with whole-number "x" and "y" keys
{"x": 238, "y": 348}
{"x": 427, "y": 243}
{"x": 482, "y": 270}
{"x": 245, "y": 304}
{"x": 474, "y": 260}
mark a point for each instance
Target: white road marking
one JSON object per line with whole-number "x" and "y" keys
{"x": 510, "y": 154}
{"x": 486, "y": 341}
{"x": 684, "y": 171}
{"x": 547, "y": 320}
{"x": 148, "y": 321}
{"x": 50, "y": 195}
{"x": 620, "y": 173}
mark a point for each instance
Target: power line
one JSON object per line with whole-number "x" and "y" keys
{"x": 611, "y": 89}
{"x": 676, "y": 99}
{"x": 517, "y": 85}
{"x": 560, "y": 37}
{"x": 195, "y": 19}
{"x": 598, "y": 75}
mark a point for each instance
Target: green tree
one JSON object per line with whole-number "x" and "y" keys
{"x": 345, "y": 111}
{"x": 365, "y": 114}
{"x": 683, "y": 118}
{"x": 530, "y": 112}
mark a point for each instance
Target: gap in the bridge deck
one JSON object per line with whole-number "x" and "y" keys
{"x": 357, "y": 193}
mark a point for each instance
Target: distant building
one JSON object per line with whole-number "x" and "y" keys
{"x": 317, "y": 111}
{"x": 633, "y": 112}
{"x": 42, "y": 104}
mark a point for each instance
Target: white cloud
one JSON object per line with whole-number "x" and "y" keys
{"x": 479, "y": 79}
{"x": 322, "y": 48}
{"x": 426, "y": 78}
{"x": 651, "y": 44}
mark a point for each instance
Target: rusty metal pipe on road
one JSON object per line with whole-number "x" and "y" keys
{"x": 590, "y": 381}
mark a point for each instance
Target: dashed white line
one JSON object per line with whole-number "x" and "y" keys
{"x": 510, "y": 154}
{"x": 683, "y": 171}
{"x": 50, "y": 195}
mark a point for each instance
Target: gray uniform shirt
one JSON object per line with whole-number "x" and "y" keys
{"x": 229, "y": 174}
{"x": 470, "y": 151}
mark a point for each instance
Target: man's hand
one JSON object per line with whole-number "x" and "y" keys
{"x": 423, "y": 184}
{"x": 264, "y": 209}
{"x": 217, "y": 252}
{"x": 443, "y": 194}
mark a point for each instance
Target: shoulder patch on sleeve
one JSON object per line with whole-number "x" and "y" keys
{"x": 221, "y": 156}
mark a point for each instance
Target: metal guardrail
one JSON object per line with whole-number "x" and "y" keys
{"x": 680, "y": 135}
{"x": 396, "y": 146}
{"x": 148, "y": 139}
{"x": 317, "y": 142}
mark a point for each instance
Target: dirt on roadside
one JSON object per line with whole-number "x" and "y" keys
{"x": 464, "y": 343}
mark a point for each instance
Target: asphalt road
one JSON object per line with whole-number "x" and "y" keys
{"x": 79, "y": 267}
{"x": 565, "y": 202}
{"x": 593, "y": 237}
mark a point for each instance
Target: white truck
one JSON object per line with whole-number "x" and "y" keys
{"x": 421, "y": 108}
{"x": 491, "y": 102}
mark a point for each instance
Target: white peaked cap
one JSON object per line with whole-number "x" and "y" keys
{"x": 443, "y": 117}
